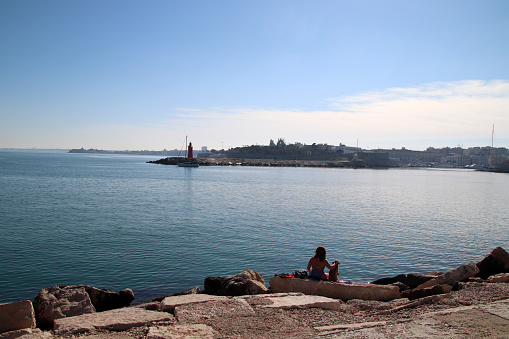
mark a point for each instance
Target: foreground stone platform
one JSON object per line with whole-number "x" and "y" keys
{"x": 480, "y": 321}
{"x": 335, "y": 290}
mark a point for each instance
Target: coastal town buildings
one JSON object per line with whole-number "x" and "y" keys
{"x": 474, "y": 157}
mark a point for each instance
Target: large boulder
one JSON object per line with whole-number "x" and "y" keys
{"x": 497, "y": 261}
{"x": 60, "y": 302}
{"x": 105, "y": 300}
{"x": 389, "y": 280}
{"x": 247, "y": 282}
{"x": 213, "y": 284}
{"x": 16, "y": 316}
{"x": 460, "y": 273}
{"x": 408, "y": 281}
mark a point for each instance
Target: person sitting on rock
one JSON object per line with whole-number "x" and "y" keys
{"x": 317, "y": 264}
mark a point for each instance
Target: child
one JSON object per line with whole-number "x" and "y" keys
{"x": 318, "y": 263}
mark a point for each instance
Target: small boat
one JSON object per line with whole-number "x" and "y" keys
{"x": 189, "y": 160}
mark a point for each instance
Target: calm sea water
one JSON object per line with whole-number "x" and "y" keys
{"x": 116, "y": 222}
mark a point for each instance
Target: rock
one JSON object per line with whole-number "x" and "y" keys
{"x": 335, "y": 290}
{"x": 247, "y": 282}
{"x": 426, "y": 292}
{"x": 66, "y": 301}
{"x": 16, "y": 316}
{"x": 190, "y": 331}
{"x": 104, "y": 300}
{"x": 497, "y": 261}
{"x": 499, "y": 278}
{"x": 414, "y": 279}
{"x": 389, "y": 281}
{"x": 60, "y": 302}
{"x": 458, "y": 274}
{"x": 169, "y": 303}
{"x": 213, "y": 284}
{"x": 411, "y": 280}
{"x": 402, "y": 287}
{"x": 120, "y": 319}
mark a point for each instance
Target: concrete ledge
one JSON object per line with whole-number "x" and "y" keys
{"x": 335, "y": 290}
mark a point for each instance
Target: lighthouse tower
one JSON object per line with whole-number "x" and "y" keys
{"x": 190, "y": 151}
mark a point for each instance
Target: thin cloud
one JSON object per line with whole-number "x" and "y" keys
{"x": 437, "y": 114}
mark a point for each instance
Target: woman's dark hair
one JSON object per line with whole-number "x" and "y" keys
{"x": 320, "y": 253}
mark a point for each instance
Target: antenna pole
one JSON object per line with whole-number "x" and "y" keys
{"x": 492, "y": 134}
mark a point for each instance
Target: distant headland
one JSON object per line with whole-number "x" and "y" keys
{"x": 323, "y": 155}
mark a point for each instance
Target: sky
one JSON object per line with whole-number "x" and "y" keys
{"x": 143, "y": 75}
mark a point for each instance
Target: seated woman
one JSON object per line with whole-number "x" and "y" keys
{"x": 317, "y": 264}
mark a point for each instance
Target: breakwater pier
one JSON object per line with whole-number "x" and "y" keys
{"x": 342, "y": 163}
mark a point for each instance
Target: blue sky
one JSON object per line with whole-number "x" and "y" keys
{"x": 122, "y": 74}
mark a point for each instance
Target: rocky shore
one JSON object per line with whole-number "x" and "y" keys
{"x": 343, "y": 163}
{"x": 469, "y": 301}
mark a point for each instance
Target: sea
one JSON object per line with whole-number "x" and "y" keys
{"x": 116, "y": 221}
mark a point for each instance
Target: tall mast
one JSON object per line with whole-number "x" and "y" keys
{"x": 492, "y": 134}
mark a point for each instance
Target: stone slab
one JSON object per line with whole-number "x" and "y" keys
{"x": 115, "y": 320}
{"x": 500, "y": 308}
{"x": 188, "y": 331}
{"x": 16, "y": 316}
{"x": 335, "y": 290}
{"x": 169, "y": 303}
{"x": 226, "y": 308}
{"x": 304, "y": 301}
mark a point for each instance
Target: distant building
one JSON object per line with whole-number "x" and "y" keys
{"x": 347, "y": 149}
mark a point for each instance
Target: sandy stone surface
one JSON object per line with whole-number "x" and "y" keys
{"x": 182, "y": 331}
{"x": 467, "y": 313}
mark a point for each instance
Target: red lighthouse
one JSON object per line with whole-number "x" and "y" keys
{"x": 190, "y": 151}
